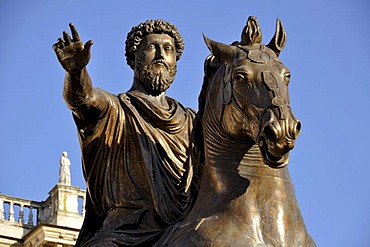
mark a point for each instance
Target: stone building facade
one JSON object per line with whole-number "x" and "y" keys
{"x": 54, "y": 222}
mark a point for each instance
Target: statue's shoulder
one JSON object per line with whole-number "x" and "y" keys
{"x": 124, "y": 98}
{"x": 191, "y": 112}
{"x": 125, "y": 102}
{"x": 103, "y": 94}
{"x": 188, "y": 110}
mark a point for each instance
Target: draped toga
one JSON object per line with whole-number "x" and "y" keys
{"x": 136, "y": 162}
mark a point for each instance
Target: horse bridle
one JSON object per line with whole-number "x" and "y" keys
{"x": 269, "y": 78}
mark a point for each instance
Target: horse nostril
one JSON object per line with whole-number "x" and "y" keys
{"x": 297, "y": 129}
{"x": 270, "y": 132}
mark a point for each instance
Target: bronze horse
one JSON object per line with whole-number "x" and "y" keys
{"x": 246, "y": 197}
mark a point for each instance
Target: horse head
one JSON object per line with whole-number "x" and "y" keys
{"x": 250, "y": 92}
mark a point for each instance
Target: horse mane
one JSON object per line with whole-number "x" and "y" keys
{"x": 211, "y": 65}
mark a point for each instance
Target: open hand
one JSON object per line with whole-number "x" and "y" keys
{"x": 72, "y": 54}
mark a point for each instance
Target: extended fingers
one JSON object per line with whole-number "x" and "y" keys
{"x": 59, "y": 44}
{"x": 75, "y": 35}
{"x": 67, "y": 38}
{"x": 75, "y": 41}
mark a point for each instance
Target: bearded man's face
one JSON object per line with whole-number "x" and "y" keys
{"x": 155, "y": 63}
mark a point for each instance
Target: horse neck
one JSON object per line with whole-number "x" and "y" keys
{"x": 232, "y": 164}
{"x": 220, "y": 147}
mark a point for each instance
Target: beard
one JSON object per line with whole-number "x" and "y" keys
{"x": 155, "y": 81}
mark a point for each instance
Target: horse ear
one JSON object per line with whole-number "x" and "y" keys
{"x": 278, "y": 42}
{"x": 222, "y": 52}
{"x": 251, "y": 33}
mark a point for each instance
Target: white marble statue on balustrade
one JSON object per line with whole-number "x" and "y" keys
{"x": 64, "y": 171}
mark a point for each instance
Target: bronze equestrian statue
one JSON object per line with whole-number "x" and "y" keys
{"x": 246, "y": 196}
{"x": 134, "y": 145}
{"x": 153, "y": 179}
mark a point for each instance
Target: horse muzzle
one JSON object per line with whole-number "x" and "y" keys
{"x": 278, "y": 135}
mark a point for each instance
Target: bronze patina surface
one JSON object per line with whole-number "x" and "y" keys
{"x": 155, "y": 180}
{"x": 246, "y": 197}
{"x": 134, "y": 145}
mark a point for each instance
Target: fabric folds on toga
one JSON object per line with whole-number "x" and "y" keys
{"x": 137, "y": 166}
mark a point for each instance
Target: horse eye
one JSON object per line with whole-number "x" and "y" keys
{"x": 239, "y": 78}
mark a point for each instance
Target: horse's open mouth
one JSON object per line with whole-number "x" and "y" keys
{"x": 269, "y": 158}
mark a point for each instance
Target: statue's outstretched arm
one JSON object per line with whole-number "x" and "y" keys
{"x": 79, "y": 94}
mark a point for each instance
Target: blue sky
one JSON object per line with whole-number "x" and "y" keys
{"x": 327, "y": 52}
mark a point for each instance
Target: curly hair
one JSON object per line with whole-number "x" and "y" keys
{"x": 137, "y": 33}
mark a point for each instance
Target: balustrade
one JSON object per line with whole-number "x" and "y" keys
{"x": 82, "y": 202}
{"x": 14, "y": 210}
{"x": 62, "y": 211}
